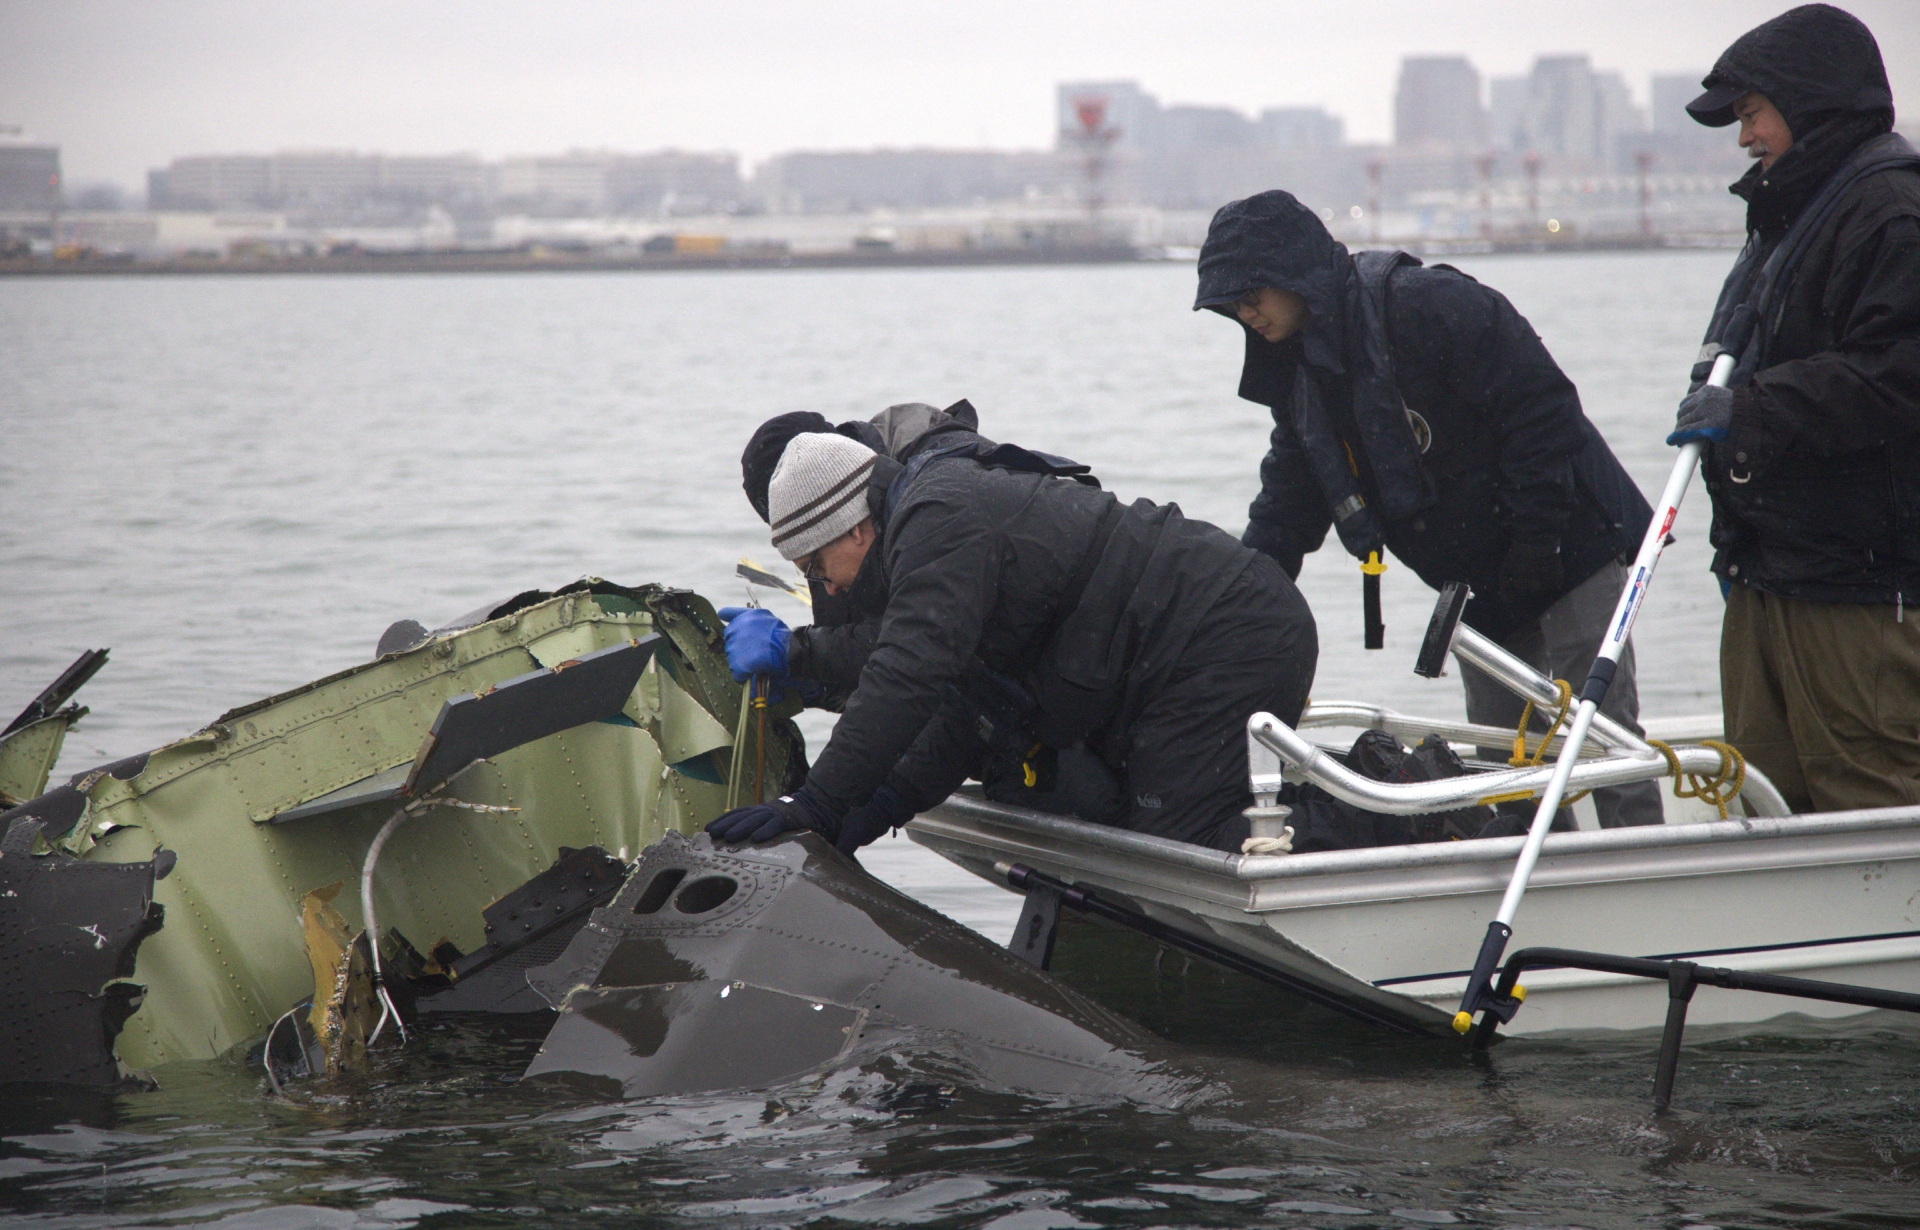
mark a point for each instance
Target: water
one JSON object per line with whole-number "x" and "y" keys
{"x": 238, "y": 483}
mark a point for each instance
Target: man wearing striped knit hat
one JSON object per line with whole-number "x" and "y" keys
{"x": 1136, "y": 640}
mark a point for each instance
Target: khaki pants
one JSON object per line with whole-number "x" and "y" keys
{"x": 1563, "y": 644}
{"x": 1824, "y": 698}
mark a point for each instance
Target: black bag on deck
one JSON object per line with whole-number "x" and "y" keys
{"x": 1322, "y": 822}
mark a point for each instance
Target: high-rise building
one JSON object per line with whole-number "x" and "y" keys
{"x": 1671, "y": 94}
{"x": 1507, "y": 112}
{"x": 29, "y": 172}
{"x": 1301, "y": 128}
{"x": 1189, "y": 127}
{"x": 1619, "y": 118}
{"x": 1437, "y": 104}
{"x": 1117, "y": 143}
{"x": 1564, "y": 111}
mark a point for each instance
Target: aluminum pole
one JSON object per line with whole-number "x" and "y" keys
{"x": 1479, "y": 986}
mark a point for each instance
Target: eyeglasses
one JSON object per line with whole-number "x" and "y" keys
{"x": 809, "y": 567}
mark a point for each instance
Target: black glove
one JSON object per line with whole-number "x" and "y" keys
{"x": 803, "y": 809}
{"x": 1532, "y": 570}
{"x": 887, "y": 809}
{"x": 1705, "y": 414}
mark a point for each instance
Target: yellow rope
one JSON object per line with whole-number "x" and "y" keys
{"x": 1719, "y": 789}
{"x": 1522, "y": 759}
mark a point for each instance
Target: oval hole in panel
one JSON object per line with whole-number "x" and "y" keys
{"x": 659, "y": 889}
{"x": 706, "y": 893}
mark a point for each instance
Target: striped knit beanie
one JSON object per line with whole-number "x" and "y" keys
{"x": 818, "y": 492}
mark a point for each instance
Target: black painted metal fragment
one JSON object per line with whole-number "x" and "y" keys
{"x": 529, "y": 926}
{"x": 69, "y": 931}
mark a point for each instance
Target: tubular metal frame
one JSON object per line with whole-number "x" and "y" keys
{"x": 1311, "y": 763}
{"x": 1408, "y": 728}
{"x": 1276, "y": 752}
{"x": 1529, "y": 684}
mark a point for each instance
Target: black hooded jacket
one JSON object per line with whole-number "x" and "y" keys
{"x": 1427, "y": 396}
{"x": 1816, "y": 490}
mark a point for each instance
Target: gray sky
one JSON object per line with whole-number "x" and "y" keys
{"x": 126, "y": 85}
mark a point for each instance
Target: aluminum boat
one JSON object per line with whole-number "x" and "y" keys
{"x": 1391, "y": 932}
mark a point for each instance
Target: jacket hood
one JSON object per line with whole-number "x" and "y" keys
{"x": 1813, "y": 63}
{"x": 1273, "y": 240}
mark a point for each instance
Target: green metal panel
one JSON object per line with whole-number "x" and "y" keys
{"x": 28, "y": 755}
{"x": 231, "y": 957}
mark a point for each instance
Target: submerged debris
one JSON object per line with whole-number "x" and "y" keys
{"x": 72, "y": 930}
{"x": 554, "y": 744}
{"x": 732, "y": 969}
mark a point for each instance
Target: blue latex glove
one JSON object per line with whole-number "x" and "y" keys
{"x": 884, "y": 811}
{"x": 1705, "y": 414}
{"x": 803, "y": 809}
{"x": 756, "y": 642}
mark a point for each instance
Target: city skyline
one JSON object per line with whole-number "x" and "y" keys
{"x": 124, "y": 89}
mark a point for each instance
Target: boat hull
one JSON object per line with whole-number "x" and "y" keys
{"x": 1834, "y": 897}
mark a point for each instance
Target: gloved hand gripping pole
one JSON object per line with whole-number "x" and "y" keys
{"x": 1479, "y": 995}
{"x": 1370, "y": 571}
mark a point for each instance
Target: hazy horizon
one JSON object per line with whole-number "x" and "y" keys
{"x": 125, "y": 87}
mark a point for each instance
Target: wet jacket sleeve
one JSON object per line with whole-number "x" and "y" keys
{"x": 1490, "y": 357}
{"x": 946, "y": 753}
{"x": 1290, "y": 516}
{"x": 1863, "y": 392}
{"x": 832, "y": 657}
{"x": 943, "y": 569}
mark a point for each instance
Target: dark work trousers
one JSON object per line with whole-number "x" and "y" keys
{"x": 1824, "y": 698}
{"x": 1186, "y": 753}
{"x": 1563, "y": 643}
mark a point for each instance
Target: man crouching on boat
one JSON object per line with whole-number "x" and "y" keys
{"x": 1145, "y": 637}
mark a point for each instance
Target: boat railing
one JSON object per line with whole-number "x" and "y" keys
{"x": 1520, "y": 678}
{"x": 1613, "y": 755}
{"x": 1288, "y": 756}
{"x": 1410, "y": 728}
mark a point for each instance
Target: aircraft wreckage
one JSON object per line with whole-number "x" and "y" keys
{"x": 503, "y": 804}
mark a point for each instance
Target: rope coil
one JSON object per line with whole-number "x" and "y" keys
{"x": 1716, "y": 790}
